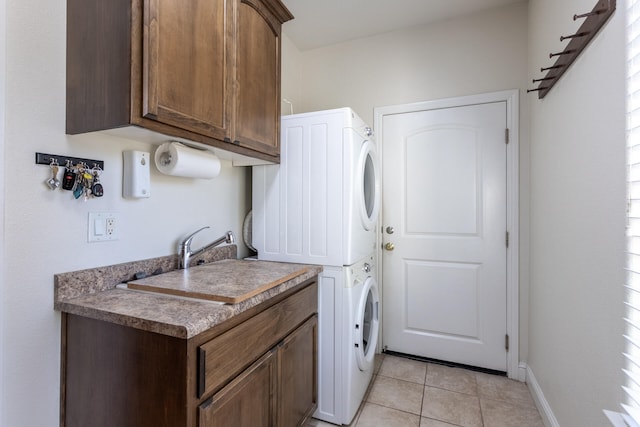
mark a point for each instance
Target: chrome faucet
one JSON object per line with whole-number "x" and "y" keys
{"x": 185, "y": 252}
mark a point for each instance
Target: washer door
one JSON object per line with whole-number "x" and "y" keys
{"x": 366, "y": 328}
{"x": 369, "y": 183}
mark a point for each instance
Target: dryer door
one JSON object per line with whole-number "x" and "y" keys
{"x": 369, "y": 184}
{"x": 367, "y": 317}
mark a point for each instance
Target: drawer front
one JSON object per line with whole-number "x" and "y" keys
{"x": 248, "y": 400}
{"x": 225, "y": 356}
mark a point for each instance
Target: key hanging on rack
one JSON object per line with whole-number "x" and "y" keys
{"x": 78, "y": 188}
{"x": 87, "y": 182}
{"x": 53, "y": 182}
{"x": 69, "y": 177}
{"x": 96, "y": 189}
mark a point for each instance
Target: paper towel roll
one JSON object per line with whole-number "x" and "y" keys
{"x": 176, "y": 159}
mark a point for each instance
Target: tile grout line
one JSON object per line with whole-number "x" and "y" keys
{"x": 424, "y": 387}
{"x": 475, "y": 379}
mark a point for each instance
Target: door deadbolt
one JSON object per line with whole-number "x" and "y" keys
{"x": 390, "y": 230}
{"x": 389, "y": 246}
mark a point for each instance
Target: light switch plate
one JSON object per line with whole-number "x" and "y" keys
{"x": 103, "y": 227}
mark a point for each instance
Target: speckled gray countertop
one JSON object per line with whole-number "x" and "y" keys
{"x": 92, "y": 293}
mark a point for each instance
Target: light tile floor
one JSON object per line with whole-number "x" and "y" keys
{"x": 409, "y": 393}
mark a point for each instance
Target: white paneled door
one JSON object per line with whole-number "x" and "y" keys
{"x": 444, "y": 233}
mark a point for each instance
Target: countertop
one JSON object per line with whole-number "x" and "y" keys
{"x": 92, "y": 293}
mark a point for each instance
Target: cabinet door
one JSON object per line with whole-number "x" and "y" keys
{"x": 186, "y": 57}
{"x": 298, "y": 375}
{"x": 258, "y": 78}
{"x": 247, "y": 401}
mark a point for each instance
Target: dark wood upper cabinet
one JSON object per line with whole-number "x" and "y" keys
{"x": 258, "y": 77}
{"x": 187, "y": 79}
{"x": 202, "y": 70}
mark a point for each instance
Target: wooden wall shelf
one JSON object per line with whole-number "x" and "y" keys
{"x": 577, "y": 43}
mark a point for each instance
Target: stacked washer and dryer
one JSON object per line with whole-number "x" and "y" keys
{"x": 320, "y": 206}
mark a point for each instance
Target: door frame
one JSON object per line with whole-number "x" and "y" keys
{"x": 511, "y": 97}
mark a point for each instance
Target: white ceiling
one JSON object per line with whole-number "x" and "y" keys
{"x": 323, "y": 22}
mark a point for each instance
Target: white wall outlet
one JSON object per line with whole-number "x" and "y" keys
{"x": 103, "y": 226}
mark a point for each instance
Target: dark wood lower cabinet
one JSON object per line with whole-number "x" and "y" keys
{"x": 277, "y": 390}
{"x": 118, "y": 376}
{"x": 249, "y": 400}
{"x": 297, "y": 361}
{"x": 114, "y": 375}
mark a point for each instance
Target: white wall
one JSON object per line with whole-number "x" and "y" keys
{"x": 46, "y": 231}
{"x": 2, "y": 122}
{"x": 292, "y": 77}
{"x": 577, "y": 217}
{"x": 480, "y": 53}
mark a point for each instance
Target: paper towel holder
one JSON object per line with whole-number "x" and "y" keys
{"x": 165, "y": 158}
{"x": 176, "y": 158}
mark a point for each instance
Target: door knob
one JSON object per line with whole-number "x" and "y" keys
{"x": 389, "y": 246}
{"x": 390, "y": 230}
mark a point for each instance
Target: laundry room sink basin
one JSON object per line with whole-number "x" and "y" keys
{"x": 125, "y": 287}
{"x": 228, "y": 281}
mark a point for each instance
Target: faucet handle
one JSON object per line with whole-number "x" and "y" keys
{"x": 187, "y": 240}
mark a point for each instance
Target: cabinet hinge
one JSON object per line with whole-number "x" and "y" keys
{"x": 506, "y": 238}
{"x": 506, "y": 342}
{"x": 506, "y": 136}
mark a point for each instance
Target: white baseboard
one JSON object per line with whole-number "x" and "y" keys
{"x": 522, "y": 372}
{"x": 548, "y": 418}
